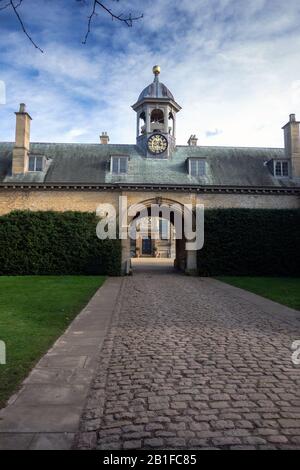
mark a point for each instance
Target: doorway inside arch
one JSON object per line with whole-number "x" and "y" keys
{"x": 153, "y": 245}
{"x": 153, "y": 237}
{"x": 154, "y": 249}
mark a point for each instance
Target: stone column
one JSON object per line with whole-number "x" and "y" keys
{"x": 137, "y": 124}
{"x": 125, "y": 268}
{"x": 147, "y": 112}
{"x": 166, "y": 116}
{"x": 191, "y": 262}
{"x": 174, "y": 125}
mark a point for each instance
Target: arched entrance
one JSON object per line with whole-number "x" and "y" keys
{"x": 153, "y": 237}
{"x": 157, "y": 233}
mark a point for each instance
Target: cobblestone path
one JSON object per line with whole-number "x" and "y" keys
{"x": 187, "y": 365}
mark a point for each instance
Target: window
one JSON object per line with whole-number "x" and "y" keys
{"x": 281, "y": 168}
{"x": 119, "y": 165}
{"x": 197, "y": 167}
{"x": 36, "y": 163}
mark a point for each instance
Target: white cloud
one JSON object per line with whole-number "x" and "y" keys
{"x": 213, "y": 132}
{"x": 233, "y": 66}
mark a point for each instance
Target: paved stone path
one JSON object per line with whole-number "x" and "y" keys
{"x": 192, "y": 363}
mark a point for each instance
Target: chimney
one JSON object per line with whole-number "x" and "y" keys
{"x": 104, "y": 138}
{"x": 22, "y": 142}
{"x": 192, "y": 140}
{"x": 292, "y": 144}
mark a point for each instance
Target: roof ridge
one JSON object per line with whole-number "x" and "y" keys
{"x": 229, "y": 147}
{"x": 134, "y": 145}
{"x": 79, "y": 143}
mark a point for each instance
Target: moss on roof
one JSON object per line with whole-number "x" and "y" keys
{"x": 89, "y": 163}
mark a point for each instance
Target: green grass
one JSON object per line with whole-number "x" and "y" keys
{"x": 34, "y": 311}
{"x": 284, "y": 290}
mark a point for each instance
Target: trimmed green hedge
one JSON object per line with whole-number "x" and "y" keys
{"x": 55, "y": 243}
{"x": 250, "y": 242}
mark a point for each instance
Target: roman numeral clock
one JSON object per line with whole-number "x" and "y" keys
{"x": 157, "y": 144}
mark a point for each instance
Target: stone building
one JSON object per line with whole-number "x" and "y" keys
{"x": 54, "y": 176}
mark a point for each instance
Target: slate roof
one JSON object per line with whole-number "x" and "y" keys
{"x": 90, "y": 164}
{"x": 156, "y": 90}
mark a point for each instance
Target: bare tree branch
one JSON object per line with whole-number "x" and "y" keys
{"x": 128, "y": 19}
{"x": 90, "y": 23}
{"x": 14, "y": 7}
{"x": 5, "y": 6}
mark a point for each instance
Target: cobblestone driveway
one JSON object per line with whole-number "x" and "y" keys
{"x": 187, "y": 365}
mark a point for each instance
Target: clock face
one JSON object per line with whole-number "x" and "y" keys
{"x": 157, "y": 144}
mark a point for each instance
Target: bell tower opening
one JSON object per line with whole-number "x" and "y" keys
{"x": 157, "y": 120}
{"x": 141, "y": 125}
{"x": 171, "y": 128}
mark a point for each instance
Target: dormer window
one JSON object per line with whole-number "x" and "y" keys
{"x": 119, "y": 164}
{"x": 197, "y": 167}
{"x": 36, "y": 163}
{"x": 281, "y": 168}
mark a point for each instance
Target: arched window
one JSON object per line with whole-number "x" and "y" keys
{"x": 157, "y": 120}
{"x": 157, "y": 115}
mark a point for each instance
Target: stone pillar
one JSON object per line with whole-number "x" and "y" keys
{"x": 22, "y": 142}
{"x": 191, "y": 262}
{"x": 125, "y": 268}
{"x": 148, "y": 124}
{"x": 166, "y": 119}
{"x": 138, "y": 124}
{"x": 180, "y": 260}
{"x": 174, "y": 125}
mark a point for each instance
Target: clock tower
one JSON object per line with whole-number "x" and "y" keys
{"x": 156, "y": 112}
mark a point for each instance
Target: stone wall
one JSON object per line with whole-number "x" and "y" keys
{"x": 249, "y": 201}
{"x": 86, "y": 200}
{"x": 54, "y": 200}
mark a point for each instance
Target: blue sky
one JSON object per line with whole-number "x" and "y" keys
{"x": 233, "y": 66}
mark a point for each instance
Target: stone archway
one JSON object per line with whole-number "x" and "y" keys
{"x": 185, "y": 260}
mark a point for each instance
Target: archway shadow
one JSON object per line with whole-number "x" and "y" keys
{"x": 153, "y": 265}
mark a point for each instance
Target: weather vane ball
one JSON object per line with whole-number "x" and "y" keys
{"x": 156, "y": 69}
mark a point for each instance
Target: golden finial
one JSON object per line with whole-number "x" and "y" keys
{"x": 156, "y": 69}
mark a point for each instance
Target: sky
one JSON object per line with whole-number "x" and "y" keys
{"x": 233, "y": 66}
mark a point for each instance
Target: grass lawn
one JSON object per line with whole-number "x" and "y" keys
{"x": 34, "y": 311}
{"x": 284, "y": 290}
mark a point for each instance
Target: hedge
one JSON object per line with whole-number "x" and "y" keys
{"x": 250, "y": 242}
{"x": 55, "y": 243}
